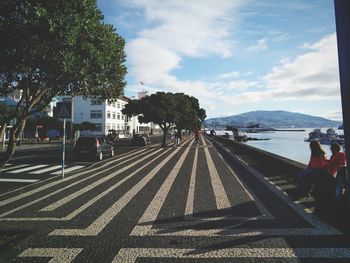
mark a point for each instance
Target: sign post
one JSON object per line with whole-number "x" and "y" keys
{"x": 63, "y": 146}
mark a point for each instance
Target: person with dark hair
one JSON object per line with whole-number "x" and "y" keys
{"x": 337, "y": 160}
{"x": 337, "y": 169}
{"x": 318, "y": 159}
{"x": 316, "y": 168}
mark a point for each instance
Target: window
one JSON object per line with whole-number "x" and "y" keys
{"x": 113, "y": 104}
{"x": 95, "y": 101}
{"x": 113, "y": 126}
{"x": 118, "y": 127}
{"x": 66, "y": 99}
{"x": 118, "y": 105}
{"x": 123, "y": 117}
{"x": 98, "y": 127}
{"x": 118, "y": 116}
{"x": 113, "y": 115}
{"x": 108, "y": 126}
{"x": 95, "y": 114}
{"x": 108, "y": 114}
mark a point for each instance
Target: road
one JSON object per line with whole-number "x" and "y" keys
{"x": 174, "y": 204}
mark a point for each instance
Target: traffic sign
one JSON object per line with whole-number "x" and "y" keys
{"x": 63, "y": 110}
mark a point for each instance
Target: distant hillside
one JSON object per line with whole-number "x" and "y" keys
{"x": 275, "y": 119}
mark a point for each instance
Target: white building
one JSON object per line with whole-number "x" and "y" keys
{"x": 105, "y": 116}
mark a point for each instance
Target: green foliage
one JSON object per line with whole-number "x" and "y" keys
{"x": 59, "y": 47}
{"x": 51, "y": 48}
{"x": 167, "y": 109}
{"x": 84, "y": 126}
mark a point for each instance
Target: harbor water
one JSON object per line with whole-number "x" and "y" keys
{"x": 289, "y": 144}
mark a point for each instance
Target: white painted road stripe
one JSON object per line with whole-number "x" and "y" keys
{"x": 15, "y": 167}
{"x": 130, "y": 255}
{"x": 153, "y": 209}
{"x": 192, "y": 187}
{"x": 46, "y": 186}
{"x": 27, "y": 169}
{"x": 84, "y": 206}
{"x": 76, "y": 194}
{"x": 14, "y": 180}
{"x": 221, "y": 198}
{"x": 69, "y": 169}
{"x": 47, "y": 169}
{"x": 58, "y": 255}
{"x": 102, "y": 221}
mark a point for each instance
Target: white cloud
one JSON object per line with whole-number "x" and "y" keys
{"x": 313, "y": 75}
{"x": 180, "y": 28}
{"x": 259, "y": 45}
{"x": 229, "y": 75}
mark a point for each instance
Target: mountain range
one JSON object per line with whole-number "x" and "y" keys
{"x": 275, "y": 119}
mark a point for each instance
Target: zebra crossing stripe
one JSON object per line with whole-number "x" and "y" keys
{"x": 27, "y": 169}
{"x": 46, "y": 186}
{"x": 221, "y": 198}
{"x": 76, "y": 194}
{"x": 153, "y": 209}
{"x": 71, "y": 169}
{"x": 55, "y": 192}
{"x": 191, "y": 189}
{"x": 87, "y": 204}
{"x": 102, "y": 221}
{"x": 130, "y": 255}
{"x": 58, "y": 255}
{"x": 15, "y": 180}
{"x": 46, "y": 170}
{"x": 15, "y": 167}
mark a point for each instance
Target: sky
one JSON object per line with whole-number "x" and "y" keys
{"x": 235, "y": 56}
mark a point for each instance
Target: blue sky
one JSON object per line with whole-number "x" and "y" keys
{"x": 233, "y": 55}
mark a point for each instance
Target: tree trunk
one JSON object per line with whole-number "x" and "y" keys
{"x": 165, "y": 131}
{"x": 3, "y": 130}
{"x": 15, "y": 134}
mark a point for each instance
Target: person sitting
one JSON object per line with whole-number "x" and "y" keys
{"x": 337, "y": 169}
{"x": 316, "y": 167}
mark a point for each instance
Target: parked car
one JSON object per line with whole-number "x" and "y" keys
{"x": 94, "y": 146}
{"x": 141, "y": 139}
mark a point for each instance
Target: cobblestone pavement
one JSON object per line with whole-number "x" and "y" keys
{"x": 172, "y": 204}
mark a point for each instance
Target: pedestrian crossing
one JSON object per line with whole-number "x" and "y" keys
{"x": 28, "y": 169}
{"x": 150, "y": 197}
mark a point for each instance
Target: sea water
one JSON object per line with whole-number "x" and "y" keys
{"x": 289, "y": 144}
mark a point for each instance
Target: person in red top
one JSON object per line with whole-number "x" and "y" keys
{"x": 337, "y": 160}
{"x": 318, "y": 159}
{"x": 315, "y": 169}
{"x": 197, "y": 134}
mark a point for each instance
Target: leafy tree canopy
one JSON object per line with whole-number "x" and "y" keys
{"x": 52, "y": 48}
{"x": 167, "y": 109}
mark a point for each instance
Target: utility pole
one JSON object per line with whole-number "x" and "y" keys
{"x": 342, "y": 18}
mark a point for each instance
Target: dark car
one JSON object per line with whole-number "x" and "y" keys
{"x": 94, "y": 146}
{"x": 141, "y": 139}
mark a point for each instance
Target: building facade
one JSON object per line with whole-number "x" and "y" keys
{"x": 104, "y": 115}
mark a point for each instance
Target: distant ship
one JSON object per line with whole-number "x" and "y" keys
{"x": 325, "y": 138}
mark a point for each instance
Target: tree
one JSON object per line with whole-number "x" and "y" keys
{"x": 167, "y": 109}
{"x": 52, "y": 48}
{"x": 189, "y": 115}
{"x": 5, "y": 113}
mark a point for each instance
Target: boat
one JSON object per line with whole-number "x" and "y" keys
{"x": 325, "y": 138}
{"x": 240, "y": 135}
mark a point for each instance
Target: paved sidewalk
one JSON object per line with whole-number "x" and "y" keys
{"x": 172, "y": 204}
